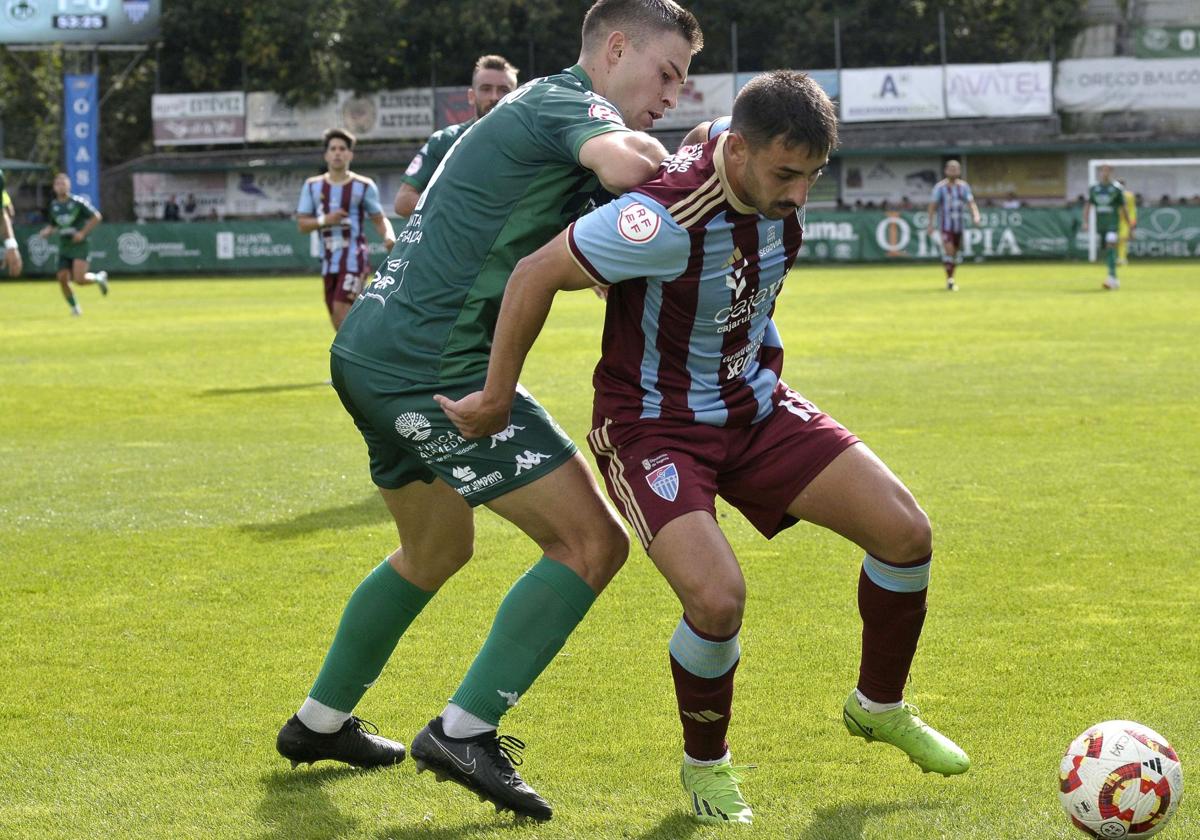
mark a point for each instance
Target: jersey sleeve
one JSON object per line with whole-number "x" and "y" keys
{"x": 718, "y": 125}
{"x": 371, "y": 201}
{"x": 967, "y": 188}
{"x": 86, "y": 210}
{"x": 935, "y": 194}
{"x": 306, "y": 206}
{"x": 425, "y": 162}
{"x": 631, "y": 236}
{"x": 567, "y": 119}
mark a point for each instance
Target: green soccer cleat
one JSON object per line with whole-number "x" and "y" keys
{"x": 714, "y": 792}
{"x": 927, "y": 748}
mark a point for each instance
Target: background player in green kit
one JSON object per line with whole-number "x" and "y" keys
{"x": 492, "y": 79}
{"x": 421, "y": 332}
{"x": 73, "y": 217}
{"x": 12, "y": 254}
{"x": 1108, "y": 198}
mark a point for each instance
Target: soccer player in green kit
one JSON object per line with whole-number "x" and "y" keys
{"x": 1108, "y": 198}
{"x": 12, "y": 254}
{"x": 493, "y": 78}
{"x": 420, "y": 333}
{"x": 73, "y": 217}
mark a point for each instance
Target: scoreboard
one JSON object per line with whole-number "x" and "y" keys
{"x": 79, "y": 21}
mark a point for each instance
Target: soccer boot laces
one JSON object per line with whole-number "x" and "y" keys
{"x": 483, "y": 765}
{"x": 358, "y": 743}
{"x": 714, "y": 792}
{"x": 927, "y": 748}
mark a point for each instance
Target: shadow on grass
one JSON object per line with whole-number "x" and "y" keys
{"x": 502, "y": 826}
{"x": 843, "y": 821}
{"x": 262, "y": 389}
{"x": 369, "y": 511}
{"x": 673, "y": 826}
{"x": 295, "y": 804}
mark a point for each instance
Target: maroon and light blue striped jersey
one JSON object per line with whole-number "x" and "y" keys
{"x": 694, "y": 274}
{"x": 951, "y": 202}
{"x": 343, "y": 246}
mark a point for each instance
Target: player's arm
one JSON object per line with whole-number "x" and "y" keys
{"x": 1087, "y": 212}
{"x": 383, "y": 225}
{"x": 308, "y": 223}
{"x": 974, "y": 212}
{"x": 622, "y": 160}
{"x": 527, "y": 300}
{"x": 932, "y": 213}
{"x": 406, "y": 200}
{"x": 12, "y": 254}
{"x": 1125, "y": 214}
{"x": 88, "y": 226}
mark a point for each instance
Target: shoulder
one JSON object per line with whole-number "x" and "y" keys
{"x": 686, "y": 182}
{"x": 308, "y": 182}
{"x": 940, "y": 185}
{"x": 362, "y": 179}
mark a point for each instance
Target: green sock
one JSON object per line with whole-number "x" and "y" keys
{"x": 71, "y": 301}
{"x": 375, "y": 618}
{"x": 1112, "y": 262}
{"x": 532, "y": 624}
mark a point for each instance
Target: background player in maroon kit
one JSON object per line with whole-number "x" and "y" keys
{"x": 950, "y": 198}
{"x": 690, "y": 405}
{"x": 336, "y": 204}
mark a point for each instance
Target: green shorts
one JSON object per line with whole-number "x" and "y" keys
{"x": 409, "y": 438}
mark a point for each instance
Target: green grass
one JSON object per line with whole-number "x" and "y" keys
{"x": 185, "y": 507}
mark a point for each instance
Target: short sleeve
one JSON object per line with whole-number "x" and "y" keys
{"x": 631, "y": 236}
{"x": 86, "y": 210}
{"x": 421, "y": 167}
{"x": 306, "y": 206}
{"x": 567, "y": 119}
{"x": 718, "y": 125}
{"x": 933, "y": 194}
{"x": 371, "y": 199}
{"x": 970, "y": 195}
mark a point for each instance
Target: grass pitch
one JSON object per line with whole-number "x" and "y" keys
{"x": 185, "y": 509}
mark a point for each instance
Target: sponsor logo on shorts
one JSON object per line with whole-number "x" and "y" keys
{"x": 413, "y": 426}
{"x": 664, "y": 481}
{"x": 650, "y": 463}
{"x": 463, "y": 473}
{"x": 477, "y": 484}
{"x": 637, "y": 223}
{"x": 505, "y": 436}
{"x": 444, "y": 446}
{"x": 528, "y": 460}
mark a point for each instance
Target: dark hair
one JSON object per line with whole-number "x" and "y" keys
{"x": 338, "y": 134}
{"x": 492, "y": 62}
{"x": 788, "y": 104}
{"x": 637, "y": 18}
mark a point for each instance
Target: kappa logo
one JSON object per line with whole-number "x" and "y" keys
{"x": 505, "y": 436}
{"x": 637, "y": 223}
{"x": 463, "y": 473}
{"x": 528, "y": 461}
{"x": 413, "y": 426}
{"x": 664, "y": 481}
{"x": 510, "y": 697}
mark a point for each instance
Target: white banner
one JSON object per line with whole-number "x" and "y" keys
{"x": 892, "y": 93}
{"x": 384, "y": 115}
{"x": 199, "y": 195}
{"x": 892, "y": 179}
{"x": 184, "y": 119}
{"x": 704, "y": 96}
{"x": 1018, "y": 89}
{"x": 1127, "y": 84}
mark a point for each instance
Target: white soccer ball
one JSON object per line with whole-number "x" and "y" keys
{"x": 1120, "y": 779}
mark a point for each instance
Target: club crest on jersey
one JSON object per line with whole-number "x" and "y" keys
{"x": 664, "y": 481}
{"x": 597, "y": 111}
{"x": 638, "y": 223}
{"x": 415, "y": 166}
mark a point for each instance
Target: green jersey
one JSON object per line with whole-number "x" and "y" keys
{"x": 505, "y": 188}
{"x": 426, "y": 161}
{"x": 69, "y": 216}
{"x": 1108, "y": 200}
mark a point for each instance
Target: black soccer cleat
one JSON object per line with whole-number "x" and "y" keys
{"x": 352, "y": 744}
{"x": 483, "y": 765}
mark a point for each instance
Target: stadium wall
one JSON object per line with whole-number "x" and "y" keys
{"x": 274, "y": 247}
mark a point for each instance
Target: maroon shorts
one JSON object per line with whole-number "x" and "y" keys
{"x": 658, "y": 470}
{"x": 952, "y": 237}
{"x": 343, "y": 286}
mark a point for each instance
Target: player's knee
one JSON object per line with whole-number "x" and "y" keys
{"x": 913, "y": 539}
{"x": 717, "y": 609}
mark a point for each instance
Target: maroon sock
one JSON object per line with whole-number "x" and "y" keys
{"x": 891, "y": 627}
{"x": 949, "y": 266}
{"x": 705, "y": 705}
